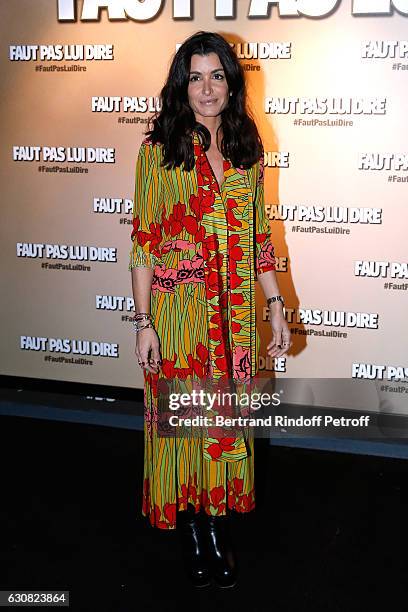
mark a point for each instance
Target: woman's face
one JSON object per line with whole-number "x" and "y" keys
{"x": 207, "y": 88}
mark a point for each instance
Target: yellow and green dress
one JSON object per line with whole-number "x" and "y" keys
{"x": 206, "y": 245}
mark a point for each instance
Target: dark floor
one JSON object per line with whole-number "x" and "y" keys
{"x": 329, "y": 531}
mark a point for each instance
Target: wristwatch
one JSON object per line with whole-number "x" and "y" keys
{"x": 275, "y": 298}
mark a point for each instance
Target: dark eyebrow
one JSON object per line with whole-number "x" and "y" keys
{"x": 212, "y": 71}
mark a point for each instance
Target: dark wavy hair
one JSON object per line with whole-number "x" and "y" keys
{"x": 173, "y": 125}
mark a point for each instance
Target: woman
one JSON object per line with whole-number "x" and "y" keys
{"x": 200, "y": 239}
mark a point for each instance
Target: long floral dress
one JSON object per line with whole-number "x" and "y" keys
{"x": 206, "y": 245}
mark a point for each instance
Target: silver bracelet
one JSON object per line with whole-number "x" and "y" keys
{"x": 139, "y": 328}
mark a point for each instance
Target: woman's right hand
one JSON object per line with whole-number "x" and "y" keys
{"x": 147, "y": 343}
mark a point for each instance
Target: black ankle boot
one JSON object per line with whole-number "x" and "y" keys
{"x": 193, "y": 547}
{"x": 222, "y": 559}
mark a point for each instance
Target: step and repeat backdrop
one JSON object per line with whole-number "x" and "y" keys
{"x": 327, "y": 83}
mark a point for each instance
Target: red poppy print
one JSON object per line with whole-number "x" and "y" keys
{"x": 170, "y": 513}
{"x": 223, "y": 445}
{"x": 202, "y": 203}
{"x": 175, "y": 220}
{"x": 217, "y": 494}
{"x": 235, "y": 252}
{"x": 152, "y": 239}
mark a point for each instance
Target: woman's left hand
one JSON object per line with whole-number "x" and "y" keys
{"x": 281, "y": 339}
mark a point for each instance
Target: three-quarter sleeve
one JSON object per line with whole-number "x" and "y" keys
{"x": 146, "y": 233}
{"x": 264, "y": 249}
